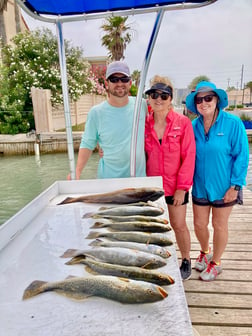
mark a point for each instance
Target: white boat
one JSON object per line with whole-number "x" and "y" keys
{"x": 32, "y": 241}
{"x": 31, "y": 244}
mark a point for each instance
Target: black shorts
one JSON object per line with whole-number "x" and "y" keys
{"x": 218, "y": 203}
{"x": 169, "y": 199}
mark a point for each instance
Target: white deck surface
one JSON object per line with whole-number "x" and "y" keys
{"x": 31, "y": 243}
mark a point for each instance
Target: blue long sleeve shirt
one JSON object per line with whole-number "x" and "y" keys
{"x": 111, "y": 127}
{"x": 222, "y": 156}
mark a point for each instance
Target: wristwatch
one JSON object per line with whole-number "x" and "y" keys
{"x": 237, "y": 187}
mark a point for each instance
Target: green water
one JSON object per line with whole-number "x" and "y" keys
{"x": 25, "y": 177}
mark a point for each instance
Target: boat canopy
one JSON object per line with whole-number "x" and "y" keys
{"x": 58, "y": 12}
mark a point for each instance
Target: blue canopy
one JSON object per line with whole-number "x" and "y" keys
{"x": 79, "y": 7}
{"x": 60, "y": 11}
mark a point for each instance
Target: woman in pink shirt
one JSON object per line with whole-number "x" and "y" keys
{"x": 170, "y": 153}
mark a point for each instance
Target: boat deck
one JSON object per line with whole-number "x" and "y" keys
{"x": 224, "y": 306}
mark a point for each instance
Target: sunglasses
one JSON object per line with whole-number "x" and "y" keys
{"x": 117, "y": 79}
{"x": 163, "y": 96}
{"x": 207, "y": 99}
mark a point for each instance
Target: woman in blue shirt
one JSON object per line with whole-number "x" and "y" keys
{"x": 222, "y": 156}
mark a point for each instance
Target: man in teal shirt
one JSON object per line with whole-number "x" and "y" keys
{"x": 110, "y": 125}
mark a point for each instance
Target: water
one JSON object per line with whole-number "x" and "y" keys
{"x": 24, "y": 177}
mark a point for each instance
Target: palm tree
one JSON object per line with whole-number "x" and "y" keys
{"x": 3, "y": 36}
{"x": 116, "y": 37}
{"x": 136, "y": 77}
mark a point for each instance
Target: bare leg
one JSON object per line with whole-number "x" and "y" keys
{"x": 201, "y": 220}
{"x": 220, "y": 218}
{"x": 177, "y": 215}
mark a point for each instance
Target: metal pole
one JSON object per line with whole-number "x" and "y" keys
{"x": 137, "y": 110}
{"x": 67, "y": 112}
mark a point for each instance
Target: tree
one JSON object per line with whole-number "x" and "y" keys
{"x": 249, "y": 85}
{"x": 116, "y": 36}
{"x": 136, "y": 77}
{"x": 3, "y": 6}
{"x": 196, "y": 80}
{"x": 32, "y": 61}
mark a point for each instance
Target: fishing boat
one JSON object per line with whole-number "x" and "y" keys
{"x": 32, "y": 241}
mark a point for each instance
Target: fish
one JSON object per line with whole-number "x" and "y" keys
{"x": 127, "y": 211}
{"x": 94, "y": 266}
{"x": 133, "y": 226}
{"x": 116, "y": 255}
{"x": 160, "y": 239}
{"x": 110, "y": 287}
{"x": 150, "y": 248}
{"x": 121, "y": 196}
{"x": 132, "y": 218}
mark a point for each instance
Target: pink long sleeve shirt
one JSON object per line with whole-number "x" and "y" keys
{"x": 174, "y": 158}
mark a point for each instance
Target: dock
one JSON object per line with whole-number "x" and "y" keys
{"x": 224, "y": 306}
{"x": 50, "y": 142}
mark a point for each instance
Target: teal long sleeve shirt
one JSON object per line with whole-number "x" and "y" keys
{"x": 222, "y": 156}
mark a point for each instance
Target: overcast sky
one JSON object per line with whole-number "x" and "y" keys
{"x": 215, "y": 41}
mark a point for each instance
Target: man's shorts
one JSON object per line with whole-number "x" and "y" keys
{"x": 218, "y": 203}
{"x": 170, "y": 200}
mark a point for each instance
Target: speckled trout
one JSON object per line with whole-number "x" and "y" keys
{"x": 149, "y": 248}
{"x": 133, "y": 226}
{"x": 116, "y": 255}
{"x": 160, "y": 239}
{"x": 137, "y": 273}
{"x": 132, "y": 218}
{"x": 128, "y": 210}
{"x": 118, "y": 289}
{"x": 121, "y": 196}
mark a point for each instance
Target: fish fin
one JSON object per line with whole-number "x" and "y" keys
{"x": 98, "y": 225}
{"x": 90, "y": 270}
{"x": 35, "y": 288}
{"x": 68, "y": 253}
{"x": 124, "y": 279}
{"x": 71, "y": 277}
{"x": 73, "y": 295}
{"x": 67, "y": 200}
{"x": 88, "y": 215}
{"x": 76, "y": 260}
{"x": 92, "y": 235}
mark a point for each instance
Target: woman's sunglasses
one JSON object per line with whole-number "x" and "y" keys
{"x": 207, "y": 99}
{"x": 117, "y": 79}
{"x": 163, "y": 95}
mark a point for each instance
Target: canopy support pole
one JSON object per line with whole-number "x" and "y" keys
{"x": 67, "y": 112}
{"x": 137, "y": 109}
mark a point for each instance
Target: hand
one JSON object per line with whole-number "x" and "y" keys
{"x": 179, "y": 197}
{"x": 100, "y": 151}
{"x": 69, "y": 177}
{"x": 230, "y": 195}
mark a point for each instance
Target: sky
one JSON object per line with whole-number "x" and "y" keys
{"x": 215, "y": 41}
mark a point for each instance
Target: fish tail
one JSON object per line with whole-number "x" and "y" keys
{"x": 92, "y": 235}
{"x": 98, "y": 225}
{"x": 67, "y": 200}
{"x": 96, "y": 242}
{"x": 35, "y": 288}
{"x": 68, "y": 253}
{"x": 88, "y": 215}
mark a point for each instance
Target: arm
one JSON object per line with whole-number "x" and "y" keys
{"x": 83, "y": 156}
